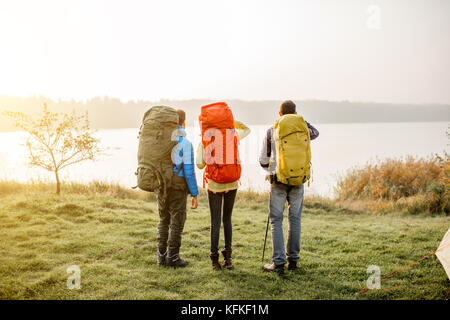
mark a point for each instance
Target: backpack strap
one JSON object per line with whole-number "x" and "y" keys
{"x": 205, "y": 180}
{"x": 181, "y": 169}
{"x": 182, "y": 164}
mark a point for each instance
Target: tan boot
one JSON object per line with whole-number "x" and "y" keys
{"x": 275, "y": 268}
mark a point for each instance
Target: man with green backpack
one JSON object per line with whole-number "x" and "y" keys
{"x": 166, "y": 167}
{"x": 286, "y": 155}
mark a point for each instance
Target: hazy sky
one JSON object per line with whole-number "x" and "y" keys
{"x": 246, "y": 49}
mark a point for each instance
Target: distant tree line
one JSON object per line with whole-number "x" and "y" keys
{"x": 106, "y": 113}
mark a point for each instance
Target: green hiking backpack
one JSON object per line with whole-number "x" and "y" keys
{"x": 157, "y": 138}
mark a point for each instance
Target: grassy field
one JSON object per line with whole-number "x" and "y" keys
{"x": 111, "y": 236}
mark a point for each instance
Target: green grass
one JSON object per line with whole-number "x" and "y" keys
{"x": 111, "y": 236}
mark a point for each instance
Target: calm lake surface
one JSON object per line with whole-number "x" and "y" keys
{"x": 338, "y": 148}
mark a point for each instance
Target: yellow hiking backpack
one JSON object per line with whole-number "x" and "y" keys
{"x": 293, "y": 150}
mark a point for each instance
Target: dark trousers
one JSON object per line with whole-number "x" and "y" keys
{"x": 221, "y": 208}
{"x": 172, "y": 217}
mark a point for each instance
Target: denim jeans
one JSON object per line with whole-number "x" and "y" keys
{"x": 221, "y": 208}
{"x": 279, "y": 194}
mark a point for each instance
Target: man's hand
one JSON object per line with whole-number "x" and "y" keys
{"x": 194, "y": 203}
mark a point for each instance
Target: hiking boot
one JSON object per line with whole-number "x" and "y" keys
{"x": 292, "y": 266}
{"x": 162, "y": 259}
{"x": 228, "y": 263}
{"x": 215, "y": 261}
{"x": 176, "y": 262}
{"x": 275, "y": 268}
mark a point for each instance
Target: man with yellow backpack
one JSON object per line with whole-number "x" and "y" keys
{"x": 286, "y": 155}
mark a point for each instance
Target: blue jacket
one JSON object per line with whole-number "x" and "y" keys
{"x": 183, "y": 154}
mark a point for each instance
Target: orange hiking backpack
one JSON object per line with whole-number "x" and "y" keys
{"x": 220, "y": 143}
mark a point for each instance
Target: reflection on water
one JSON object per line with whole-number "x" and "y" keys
{"x": 339, "y": 147}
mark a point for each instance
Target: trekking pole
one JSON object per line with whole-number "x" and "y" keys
{"x": 265, "y": 239}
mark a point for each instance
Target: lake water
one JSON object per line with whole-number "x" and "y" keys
{"x": 339, "y": 147}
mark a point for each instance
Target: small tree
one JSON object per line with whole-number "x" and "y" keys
{"x": 57, "y": 140}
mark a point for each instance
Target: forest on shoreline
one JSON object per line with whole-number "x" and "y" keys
{"x": 112, "y": 113}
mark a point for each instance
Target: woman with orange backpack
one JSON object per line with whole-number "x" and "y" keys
{"x": 219, "y": 153}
